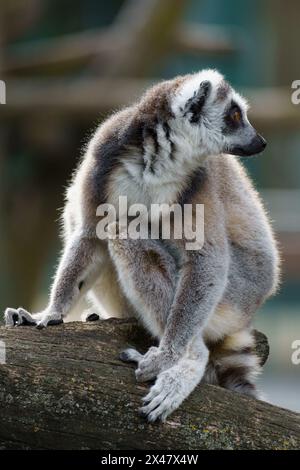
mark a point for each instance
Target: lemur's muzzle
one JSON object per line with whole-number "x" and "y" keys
{"x": 257, "y": 145}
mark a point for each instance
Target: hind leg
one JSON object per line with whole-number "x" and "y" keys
{"x": 147, "y": 275}
{"x": 106, "y": 299}
{"x": 233, "y": 362}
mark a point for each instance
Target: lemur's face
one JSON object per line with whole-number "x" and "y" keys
{"x": 214, "y": 117}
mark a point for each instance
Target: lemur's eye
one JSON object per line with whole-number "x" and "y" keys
{"x": 236, "y": 116}
{"x": 233, "y": 118}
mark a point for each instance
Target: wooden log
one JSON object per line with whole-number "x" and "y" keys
{"x": 65, "y": 388}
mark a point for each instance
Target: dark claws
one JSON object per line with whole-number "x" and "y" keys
{"x": 55, "y": 322}
{"x": 143, "y": 414}
{"x": 40, "y": 326}
{"x": 92, "y": 317}
{"x": 125, "y": 357}
{"x": 146, "y": 402}
{"x": 26, "y": 322}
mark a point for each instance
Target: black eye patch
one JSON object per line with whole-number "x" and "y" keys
{"x": 195, "y": 104}
{"x": 233, "y": 118}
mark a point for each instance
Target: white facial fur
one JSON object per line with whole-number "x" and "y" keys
{"x": 207, "y": 136}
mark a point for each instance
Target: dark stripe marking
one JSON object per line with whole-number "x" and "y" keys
{"x": 194, "y": 183}
{"x": 166, "y": 129}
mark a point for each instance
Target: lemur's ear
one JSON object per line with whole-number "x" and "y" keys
{"x": 194, "y": 105}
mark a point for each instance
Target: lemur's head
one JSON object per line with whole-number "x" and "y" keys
{"x": 212, "y": 115}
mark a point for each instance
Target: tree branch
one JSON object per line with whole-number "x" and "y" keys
{"x": 65, "y": 388}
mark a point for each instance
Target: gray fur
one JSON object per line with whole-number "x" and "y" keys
{"x": 169, "y": 148}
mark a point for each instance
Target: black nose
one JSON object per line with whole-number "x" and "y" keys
{"x": 257, "y": 145}
{"x": 262, "y": 142}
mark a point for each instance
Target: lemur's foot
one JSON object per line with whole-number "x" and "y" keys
{"x": 21, "y": 317}
{"x": 149, "y": 365}
{"x": 49, "y": 321}
{"x": 164, "y": 397}
{"x": 93, "y": 317}
{"x": 130, "y": 355}
{"x": 176, "y": 378}
{"x": 18, "y": 317}
{"x": 88, "y": 315}
{"x": 155, "y": 361}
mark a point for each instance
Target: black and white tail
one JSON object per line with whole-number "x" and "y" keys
{"x": 234, "y": 364}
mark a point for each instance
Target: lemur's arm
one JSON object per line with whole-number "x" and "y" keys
{"x": 200, "y": 288}
{"x": 84, "y": 253}
{"x": 76, "y": 271}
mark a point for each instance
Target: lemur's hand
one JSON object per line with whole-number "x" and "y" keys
{"x": 151, "y": 364}
{"x": 21, "y": 317}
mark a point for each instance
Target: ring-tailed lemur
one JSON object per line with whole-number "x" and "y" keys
{"x": 175, "y": 145}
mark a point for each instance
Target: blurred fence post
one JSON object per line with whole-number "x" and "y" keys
{"x": 285, "y": 21}
{"x": 147, "y": 28}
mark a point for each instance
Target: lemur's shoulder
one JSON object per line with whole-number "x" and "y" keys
{"x": 153, "y": 106}
{"x": 231, "y": 180}
{"x": 245, "y": 215}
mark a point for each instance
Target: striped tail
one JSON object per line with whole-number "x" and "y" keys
{"x": 233, "y": 364}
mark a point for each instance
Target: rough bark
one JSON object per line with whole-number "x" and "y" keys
{"x": 65, "y": 388}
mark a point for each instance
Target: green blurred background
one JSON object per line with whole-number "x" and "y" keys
{"x": 68, "y": 63}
